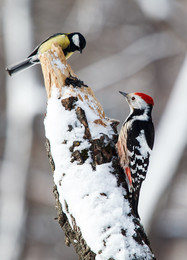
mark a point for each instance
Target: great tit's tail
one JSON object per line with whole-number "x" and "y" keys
{"x": 25, "y": 64}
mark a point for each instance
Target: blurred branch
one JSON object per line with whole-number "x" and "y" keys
{"x": 159, "y": 10}
{"x": 171, "y": 140}
{"x": 131, "y": 60}
{"x": 81, "y": 16}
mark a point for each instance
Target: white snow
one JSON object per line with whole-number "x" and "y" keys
{"x": 93, "y": 197}
{"x": 58, "y": 63}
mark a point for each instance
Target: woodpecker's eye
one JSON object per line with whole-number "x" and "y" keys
{"x": 133, "y": 98}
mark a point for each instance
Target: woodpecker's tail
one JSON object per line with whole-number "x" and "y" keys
{"x": 135, "y": 207}
{"x": 25, "y": 64}
{"x": 134, "y": 199}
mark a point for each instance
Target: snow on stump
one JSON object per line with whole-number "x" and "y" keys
{"x": 90, "y": 188}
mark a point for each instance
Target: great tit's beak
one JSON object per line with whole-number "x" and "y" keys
{"x": 80, "y": 50}
{"x": 123, "y": 93}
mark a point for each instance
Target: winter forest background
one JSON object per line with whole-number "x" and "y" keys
{"x": 132, "y": 46}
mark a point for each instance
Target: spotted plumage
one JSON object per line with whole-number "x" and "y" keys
{"x": 135, "y": 143}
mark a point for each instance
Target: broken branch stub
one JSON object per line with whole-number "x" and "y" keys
{"x": 90, "y": 188}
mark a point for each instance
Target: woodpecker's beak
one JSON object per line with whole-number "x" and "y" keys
{"x": 123, "y": 93}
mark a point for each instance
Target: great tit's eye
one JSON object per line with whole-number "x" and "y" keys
{"x": 133, "y": 98}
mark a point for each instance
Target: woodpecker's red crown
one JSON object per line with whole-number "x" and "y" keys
{"x": 145, "y": 97}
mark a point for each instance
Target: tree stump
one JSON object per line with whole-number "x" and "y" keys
{"x": 90, "y": 188}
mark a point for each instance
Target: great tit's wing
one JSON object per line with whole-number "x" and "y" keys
{"x": 35, "y": 51}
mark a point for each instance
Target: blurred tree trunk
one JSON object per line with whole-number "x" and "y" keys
{"x": 16, "y": 25}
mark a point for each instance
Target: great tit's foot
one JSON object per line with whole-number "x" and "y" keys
{"x": 75, "y": 82}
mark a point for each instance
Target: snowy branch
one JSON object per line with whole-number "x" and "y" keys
{"x": 90, "y": 188}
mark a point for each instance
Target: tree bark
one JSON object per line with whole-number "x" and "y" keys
{"x": 91, "y": 149}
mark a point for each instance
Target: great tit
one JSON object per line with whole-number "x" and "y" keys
{"x": 69, "y": 43}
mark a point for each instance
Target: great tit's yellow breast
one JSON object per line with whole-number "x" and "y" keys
{"x": 62, "y": 40}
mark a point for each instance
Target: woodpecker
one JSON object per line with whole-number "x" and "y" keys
{"x": 135, "y": 143}
{"x": 69, "y": 42}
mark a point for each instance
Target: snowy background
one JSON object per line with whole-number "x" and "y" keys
{"x": 131, "y": 46}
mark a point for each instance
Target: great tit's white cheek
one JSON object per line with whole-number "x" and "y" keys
{"x": 76, "y": 40}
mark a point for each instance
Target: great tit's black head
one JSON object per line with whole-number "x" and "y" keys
{"x": 77, "y": 41}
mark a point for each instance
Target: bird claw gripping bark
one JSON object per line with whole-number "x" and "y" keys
{"x": 75, "y": 82}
